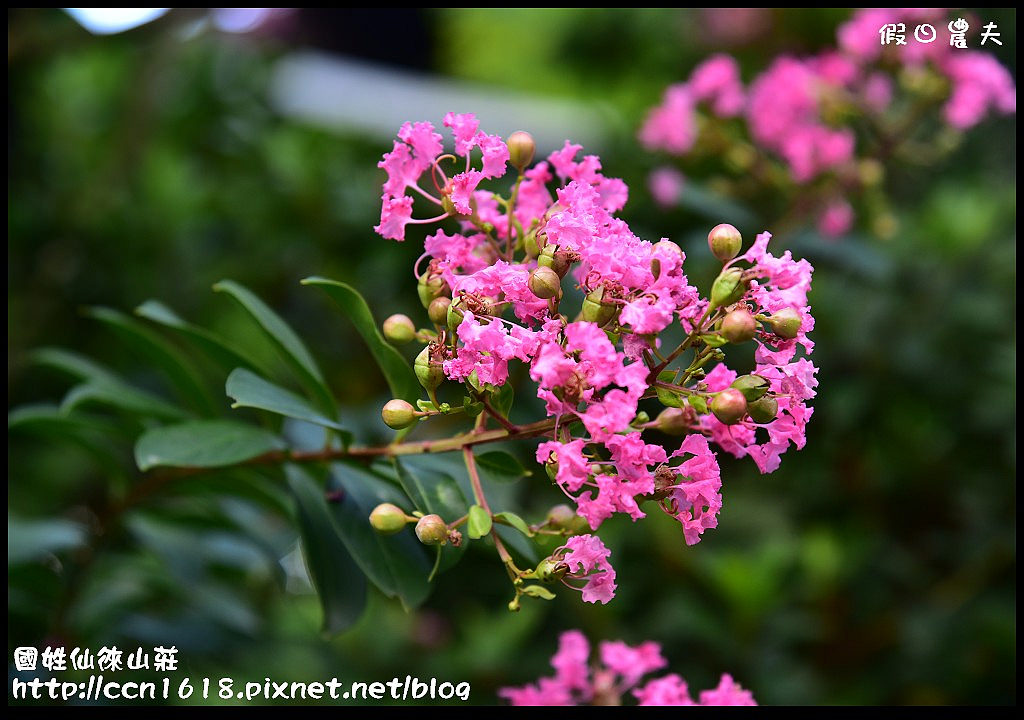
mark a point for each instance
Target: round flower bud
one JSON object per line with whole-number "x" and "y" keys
{"x": 557, "y": 260}
{"x": 521, "y": 149}
{"x": 438, "y": 310}
{"x": 430, "y": 286}
{"x": 674, "y": 421}
{"x": 399, "y": 329}
{"x": 725, "y": 242}
{"x": 785, "y": 323}
{"x": 764, "y": 410}
{"x": 429, "y": 370}
{"x": 432, "y": 530}
{"x": 753, "y": 387}
{"x": 729, "y": 406}
{"x": 387, "y": 519}
{"x": 596, "y": 309}
{"x": 550, "y": 570}
{"x": 454, "y": 318}
{"x": 739, "y": 326}
{"x": 727, "y": 288}
{"x": 560, "y": 516}
{"x": 545, "y": 283}
{"x": 667, "y": 245}
{"x": 398, "y": 414}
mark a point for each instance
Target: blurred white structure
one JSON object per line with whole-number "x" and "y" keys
{"x": 353, "y": 95}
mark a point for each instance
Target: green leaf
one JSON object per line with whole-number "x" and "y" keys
{"x": 121, "y": 396}
{"x": 668, "y": 397}
{"x": 479, "y": 523}
{"x": 698, "y": 403}
{"x": 510, "y": 518}
{"x": 285, "y": 340}
{"x": 500, "y": 466}
{"x": 73, "y": 364}
{"x": 399, "y": 375}
{"x": 250, "y": 390}
{"x": 537, "y": 591}
{"x": 397, "y": 564}
{"x": 335, "y": 574}
{"x": 222, "y": 353}
{"x": 29, "y": 539}
{"x": 713, "y": 340}
{"x": 502, "y": 398}
{"x": 203, "y": 444}
{"x": 152, "y": 348}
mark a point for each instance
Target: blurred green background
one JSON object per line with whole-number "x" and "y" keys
{"x": 876, "y": 566}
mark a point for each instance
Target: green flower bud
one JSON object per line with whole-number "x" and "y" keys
{"x": 399, "y": 329}
{"x": 725, "y": 242}
{"x": 729, "y": 406}
{"x": 675, "y": 421}
{"x": 550, "y": 570}
{"x": 429, "y": 370}
{"x": 545, "y": 283}
{"x": 785, "y": 323}
{"x": 764, "y": 410}
{"x": 727, "y": 288}
{"x": 530, "y": 245}
{"x": 551, "y": 467}
{"x": 596, "y": 309}
{"x": 557, "y": 260}
{"x": 454, "y": 318}
{"x": 398, "y": 414}
{"x": 739, "y": 326}
{"x": 521, "y": 149}
{"x": 430, "y": 286}
{"x": 753, "y": 387}
{"x": 387, "y": 519}
{"x": 432, "y": 530}
{"x": 438, "y": 310}
{"x": 560, "y": 516}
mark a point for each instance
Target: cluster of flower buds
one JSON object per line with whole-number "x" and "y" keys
{"x": 618, "y": 672}
{"x": 802, "y": 111}
{"x": 496, "y": 292}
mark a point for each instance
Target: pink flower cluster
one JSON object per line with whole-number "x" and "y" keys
{"x": 619, "y": 671}
{"x": 793, "y": 108}
{"x": 593, "y": 371}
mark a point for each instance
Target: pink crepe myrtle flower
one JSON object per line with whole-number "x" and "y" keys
{"x": 836, "y": 219}
{"x": 666, "y": 185}
{"x": 586, "y": 558}
{"x": 614, "y": 676}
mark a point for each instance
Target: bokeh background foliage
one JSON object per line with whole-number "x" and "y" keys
{"x": 876, "y": 566}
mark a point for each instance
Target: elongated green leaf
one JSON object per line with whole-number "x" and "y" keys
{"x": 397, "y": 564}
{"x": 222, "y": 353}
{"x": 203, "y": 443}
{"x": 250, "y": 390}
{"x": 513, "y": 520}
{"x": 285, "y": 340}
{"x": 338, "y": 580}
{"x": 500, "y": 466}
{"x": 121, "y": 396}
{"x": 397, "y": 371}
{"x": 479, "y": 523}
{"x": 73, "y": 364}
{"x": 668, "y": 398}
{"x": 537, "y": 591}
{"x": 98, "y": 436}
{"x": 154, "y": 349}
{"x": 502, "y": 398}
{"x": 28, "y": 539}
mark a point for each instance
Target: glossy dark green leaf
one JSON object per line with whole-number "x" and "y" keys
{"x": 155, "y": 350}
{"x": 220, "y": 351}
{"x": 399, "y": 565}
{"x": 397, "y": 371}
{"x": 668, "y": 398}
{"x": 339, "y": 582}
{"x": 285, "y": 340}
{"x": 203, "y": 444}
{"x": 500, "y": 466}
{"x": 502, "y": 398}
{"x": 121, "y": 396}
{"x": 479, "y": 523}
{"x": 250, "y": 390}
{"x": 72, "y": 363}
